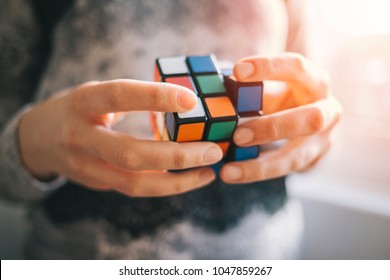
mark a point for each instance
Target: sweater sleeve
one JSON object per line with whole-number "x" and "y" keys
{"x": 21, "y": 64}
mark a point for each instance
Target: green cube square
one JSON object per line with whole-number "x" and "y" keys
{"x": 210, "y": 84}
{"x": 221, "y": 130}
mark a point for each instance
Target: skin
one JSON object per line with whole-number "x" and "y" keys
{"x": 74, "y": 139}
{"x": 70, "y": 134}
{"x": 304, "y": 114}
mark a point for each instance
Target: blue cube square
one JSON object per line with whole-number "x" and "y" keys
{"x": 202, "y": 64}
{"x": 245, "y": 153}
{"x": 246, "y": 96}
{"x": 249, "y": 99}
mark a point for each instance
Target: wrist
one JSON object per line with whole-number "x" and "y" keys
{"x": 33, "y": 146}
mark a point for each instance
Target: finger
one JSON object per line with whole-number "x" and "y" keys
{"x": 160, "y": 183}
{"x": 300, "y": 121}
{"x": 120, "y": 149}
{"x": 130, "y": 95}
{"x": 296, "y": 155}
{"x": 293, "y": 68}
{"x": 108, "y": 120}
{"x": 329, "y": 135}
{"x": 277, "y": 97}
{"x": 100, "y": 175}
{"x": 312, "y": 164}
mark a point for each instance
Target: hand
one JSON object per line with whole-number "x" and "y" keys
{"x": 70, "y": 134}
{"x": 305, "y": 114}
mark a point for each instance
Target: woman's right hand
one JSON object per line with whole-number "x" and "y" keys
{"x": 70, "y": 135}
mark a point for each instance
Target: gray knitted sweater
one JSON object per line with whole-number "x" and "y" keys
{"x": 47, "y": 46}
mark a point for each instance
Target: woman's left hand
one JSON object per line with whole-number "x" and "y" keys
{"x": 305, "y": 114}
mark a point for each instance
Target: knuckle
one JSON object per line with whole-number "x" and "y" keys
{"x": 110, "y": 94}
{"x": 127, "y": 160}
{"x": 300, "y": 161}
{"x": 299, "y": 61}
{"x": 315, "y": 121}
{"x": 274, "y": 129}
{"x": 295, "y": 163}
{"x": 68, "y": 138}
{"x": 79, "y": 96}
{"x": 260, "y": 172}
{"x": 130, "y": 187}
{"x": 180, "y": 159}
{"x": 156, "y": 95}
{"x": 254, "y": 171}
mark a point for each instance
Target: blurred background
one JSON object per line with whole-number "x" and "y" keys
{"x": 346, "y": 199}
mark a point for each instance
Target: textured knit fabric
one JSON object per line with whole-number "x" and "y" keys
{"x": 44, "y": 52}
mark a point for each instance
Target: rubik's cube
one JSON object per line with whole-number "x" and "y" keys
{"x": 222, "y": 103}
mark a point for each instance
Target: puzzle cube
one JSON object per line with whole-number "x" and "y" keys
{"x": 188, "y": 126}
{"x": 206, "y": 76}
{"x": 224, "y": 145}
{"x": 202, "y": 64}
{"x": 222, "y": 118}
{"x": 221, "y": 102}
{"x": 226, "y": 72}
{"x": 237, "y": 153}
{"x": 247, "y": 97}
{"x": 217, "y": 167}
{"x": 170, "y": 67}
{"x": 185, "y": 81}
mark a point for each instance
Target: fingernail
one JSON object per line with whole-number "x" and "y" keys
{"x": 232, "y": 173}
{"x": 206, "y": 176}
{"x": 243, "y": 135}
{"x": 212, "y": 155}
{"x": 244, "y": 69}
{"x": 186, "y": 100}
